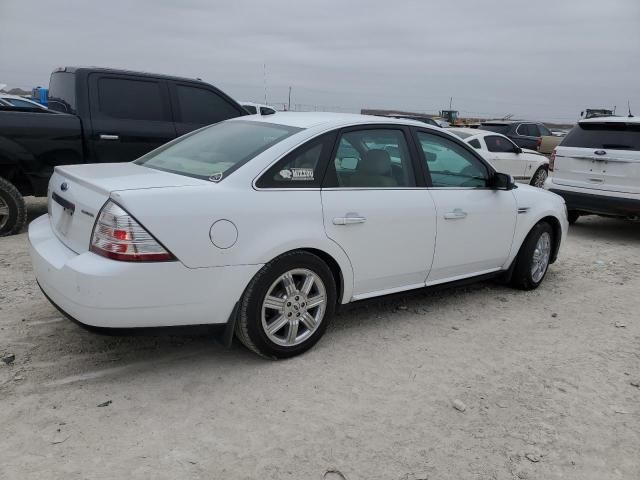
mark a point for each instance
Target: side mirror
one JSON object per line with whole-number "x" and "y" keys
{"x": 502, "y": 181}
{"x": 518, "y": 150}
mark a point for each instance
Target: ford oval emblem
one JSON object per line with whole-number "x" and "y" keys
{"x": 600, "y": 152}
{"x": 64, "y": 187}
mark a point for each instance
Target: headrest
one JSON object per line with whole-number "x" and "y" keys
{"x": 376, "y": 162}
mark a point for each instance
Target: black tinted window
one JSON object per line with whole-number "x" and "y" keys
{"x": 130, "y": 99}
{"x": 62, "y": 94}
{"x": 300, "y": 169}
{"x": 199, "y": 105}
{"x": 498, "y": 144}
{"x": 496, "y": 127}
{"x": 620, "y": 136}
{"x": 251, "y": 109}
{"x": 475, "y": 143}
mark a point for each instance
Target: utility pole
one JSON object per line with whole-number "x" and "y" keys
{"x": 264, "y": 75}
{"x": 450, "y": 102}
{"x": 289, "y": 107}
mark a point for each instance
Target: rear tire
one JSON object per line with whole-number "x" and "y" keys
{"x": 533, "y": 258}
{"x": 13, "y": 211}
{"x": 539, "y": 177}
{"x": 275, "y": 316}
{"x": 573, "y": 216}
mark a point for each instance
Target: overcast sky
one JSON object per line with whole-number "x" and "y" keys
{"x": 545, "y": 60}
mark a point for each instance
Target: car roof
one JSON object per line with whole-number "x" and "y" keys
{"x": 618, "y": 119}
{"x": 313, "y": 119}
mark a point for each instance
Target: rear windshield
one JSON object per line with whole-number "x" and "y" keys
{"x": 214, "y": 152}
{"x": 495, "y": 127}
{"x": 62, "y": 93}
{"x": 611, "y": 135}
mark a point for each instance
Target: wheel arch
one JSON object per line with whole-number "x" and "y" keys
{"x": 335, "y": 268}
{"x": 557, "y": 234}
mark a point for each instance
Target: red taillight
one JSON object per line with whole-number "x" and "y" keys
{"x": 552, "y": 160}
{"x": 117, "y": 235}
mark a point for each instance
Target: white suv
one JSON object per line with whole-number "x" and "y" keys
{"x": 596, "y": 168}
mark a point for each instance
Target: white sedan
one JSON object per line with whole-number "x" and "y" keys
{"x": 524, "y": 165}
{"x": 266, "y": 224}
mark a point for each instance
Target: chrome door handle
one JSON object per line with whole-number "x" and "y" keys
{"x": 457, "y": 214}
{"x": 348, "y": 220}
{"x": 109, "y": 137}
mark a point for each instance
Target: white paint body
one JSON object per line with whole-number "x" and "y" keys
{"x": 521, "y": 166}
{"x": 408, "y": 240}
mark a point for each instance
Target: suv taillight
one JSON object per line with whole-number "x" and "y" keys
{"x": 117, "y": 235}
{"x": 552, "y": 160}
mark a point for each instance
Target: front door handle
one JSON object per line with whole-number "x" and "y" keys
{"x": 349, "y": 219}
{"x": 109, "y": 137}
{"x": 457, "y": 214}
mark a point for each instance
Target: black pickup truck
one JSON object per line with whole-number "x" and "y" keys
{"x": 97, "y": 115}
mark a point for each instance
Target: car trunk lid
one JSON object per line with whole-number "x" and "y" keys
{"x": 78, "y": 192}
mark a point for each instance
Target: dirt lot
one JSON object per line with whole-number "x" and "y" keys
{"x": 546, "y": 376}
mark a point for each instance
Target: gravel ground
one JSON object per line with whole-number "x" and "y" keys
{"x": 543, "y": 383}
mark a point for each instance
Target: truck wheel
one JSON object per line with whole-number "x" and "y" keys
{"x": 13, "y": 211}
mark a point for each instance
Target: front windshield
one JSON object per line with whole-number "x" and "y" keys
{"x": 214, "y": 152}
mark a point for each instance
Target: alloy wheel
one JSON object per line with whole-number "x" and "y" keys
{"x": 294, "y": 307}
{"x": 541, "y": 256}
{"x": 4, "y": 213}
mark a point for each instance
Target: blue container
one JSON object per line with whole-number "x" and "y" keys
{"x": 40, "y": 95}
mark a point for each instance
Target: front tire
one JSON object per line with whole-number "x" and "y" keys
{"x": 533, "y": 258}
{"x": 539, "y": 177}
{"x": 13, "y": 211}
{"x": 287, "y": 306}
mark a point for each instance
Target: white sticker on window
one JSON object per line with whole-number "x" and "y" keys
{"x": 300, "y": 174}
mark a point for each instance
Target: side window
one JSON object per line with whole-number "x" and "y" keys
{"x": 302, "y": 168}
{"x": 202, "y": 106}
{"x": 475, "y": 143}
{"x": 498, "y": 144}
{"x": 251, "y": 109}
{"x": 377, "y": 158}
{"x": 450, "y": 164}
{"x": 130, "y": 99}
{"x": 544, "y": 131}
{"x": 534, "y": 131}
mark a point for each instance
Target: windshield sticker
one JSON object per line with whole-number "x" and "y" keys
{"x": 216, "y": 177}
{"x": 303, "y": 174}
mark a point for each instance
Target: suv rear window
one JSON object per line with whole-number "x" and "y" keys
{"x": 607, "y": 135}
{"x": 495, "y": 127}
{"x": 216, "y": 151}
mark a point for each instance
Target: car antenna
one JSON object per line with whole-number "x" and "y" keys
{"x": 629, "y": 106}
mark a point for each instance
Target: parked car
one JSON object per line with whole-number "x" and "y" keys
{"x": 20, "y": 102}
{"x": 524, "y": 134}
{"x": 258, "y": 108}
{"x": 107, "y": 116}
{"x": 524, "y": 165}
{"x": 261, "y": 224}
{"x": 596, "y": 168}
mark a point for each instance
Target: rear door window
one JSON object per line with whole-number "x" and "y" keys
{"x": 203, "y": 106}
{"x": 131, "y": 99}
{"x": 604, "y": 135}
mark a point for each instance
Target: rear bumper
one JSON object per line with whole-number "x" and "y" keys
{"x": 104, "y": 293}
{"x": 589, "y": 201}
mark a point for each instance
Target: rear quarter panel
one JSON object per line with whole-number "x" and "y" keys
{"x": 269, "y": 223}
